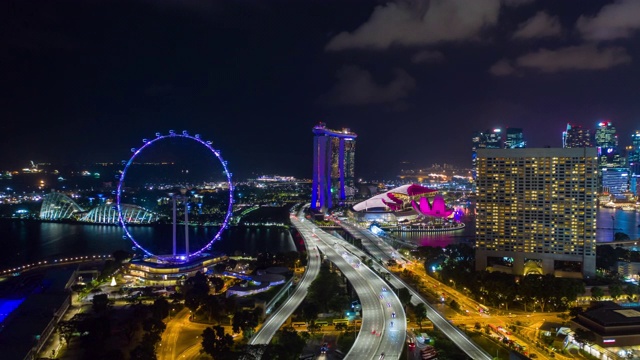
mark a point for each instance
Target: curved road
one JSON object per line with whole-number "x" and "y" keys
{"x": 453, "y": 333}
{"x": 377, "y": 334}
{"x": 277, "y": 318}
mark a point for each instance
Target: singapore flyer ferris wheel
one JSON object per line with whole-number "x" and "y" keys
{"x": 120, "y": 206}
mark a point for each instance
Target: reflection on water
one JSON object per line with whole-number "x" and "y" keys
{"x": 608, "y": 222}
{"x": 24, "y": 242}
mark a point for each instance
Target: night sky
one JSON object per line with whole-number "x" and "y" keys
{"x": 84, "y": 81}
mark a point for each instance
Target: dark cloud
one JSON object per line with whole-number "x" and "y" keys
{"x": 356, "y": 86}
{"x": 502, "y": 68}
{"x": 414, "y": 23}
{"x": 618, "y": 20}
{"x": 541, "y": 25}
{"x": 583, "y": 57}
{"x": 427, "y": 56}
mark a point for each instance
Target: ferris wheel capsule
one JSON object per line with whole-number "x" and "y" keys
{"x": 133, "y": 150}
{"x": 171, "y": 132}
{"x": 197, "y": 136}
{"x": 145, "y": 141}
{"x": 158, "y": 134}
{"x": 185, "y": 133}
{"x": 209, "y": 143}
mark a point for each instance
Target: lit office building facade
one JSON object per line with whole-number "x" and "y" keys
{"x": 576, "y": 137}
{"x": 537, "y": 208}
{"x": 633, "y": 159}
{"x": 615, "y": 181}
{"x": 514, "y": 139}
{"x": 490, "y": 139}
{"x": 333, "y": 166}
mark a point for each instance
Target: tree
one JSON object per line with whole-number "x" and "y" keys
{"x": 66, "y": 330}
{"x": 217, "y": 344}
{"x": 290, "y": 344}
{"x": 310, "y": 311}
{"x": 245, "y": 321}
{"x": 143, "y": 352}
{"x": 597, "y": 293}
{"x": 218, "y": 284}
{"x": 421, "y": 314}
{"x": 160, "y": 308}
{"x": 341, "y": 327}
{"x": 404, "y": 296}
{"x": 615, "y": 290}
{"x": 196, "y": 289}
{"x": 575, "y": 311}
{"x": 100, "y": 303}
{"x": 454, "y": 305}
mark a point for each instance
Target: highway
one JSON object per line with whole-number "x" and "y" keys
{"x": 377, "y": 247}
{"x": 453, "y": 333}
{"x": 277, "y": 318}
{"x": 377, "y": 335}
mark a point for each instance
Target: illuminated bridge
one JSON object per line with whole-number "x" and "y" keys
{"x": 58, "y": 206}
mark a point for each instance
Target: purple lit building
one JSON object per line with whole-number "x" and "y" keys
{"x": 333, "y": 166}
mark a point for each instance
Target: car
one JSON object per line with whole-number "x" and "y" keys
{"x": 392, "y": 324}
{"x": 412, "y": 345}
{"x": 381, "y": 296}
{"x": 389, "y": 305}
{"x": 324, "y": 348}
{"x": 393, "y": 314}
{"x": 533, "y": 356}
{"x": 384, "y": 289}
{"x": 381, "y": 356}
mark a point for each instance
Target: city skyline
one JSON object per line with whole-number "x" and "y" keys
{"x": 254, "y": 77}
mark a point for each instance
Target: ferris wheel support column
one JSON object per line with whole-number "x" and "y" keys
{"x": 174, "y": 224}
{"x": 186, "y": 228}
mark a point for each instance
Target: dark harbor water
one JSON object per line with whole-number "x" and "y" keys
{"x": 28, "y": 241}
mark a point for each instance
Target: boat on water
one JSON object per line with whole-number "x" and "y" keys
{"x": 628, "y": 208}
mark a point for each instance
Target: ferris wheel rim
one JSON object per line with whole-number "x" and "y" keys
{"x": 138, "y": 151}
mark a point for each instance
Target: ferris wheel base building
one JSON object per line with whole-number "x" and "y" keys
{"x": 168, "y": 271}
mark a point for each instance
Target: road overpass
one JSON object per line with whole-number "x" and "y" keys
{"x": 280, "y": 315}
{"x": 453, "y": 333}
{"x": 377, "y": 334}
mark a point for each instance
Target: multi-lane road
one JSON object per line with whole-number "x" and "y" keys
{"x": 453, "y": 333}
{"x": 277, "y": 318}
{"x": 383, "y": 328}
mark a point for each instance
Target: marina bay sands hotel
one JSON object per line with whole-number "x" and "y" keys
{"x": 333, "y": 166}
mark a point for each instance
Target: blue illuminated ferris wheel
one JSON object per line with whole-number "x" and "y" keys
{"x": 148, "y": 143}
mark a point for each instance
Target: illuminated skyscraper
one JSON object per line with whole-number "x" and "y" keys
{"x": 605, "y": 138}
{"x": 536, "y": 210}
{"x": 576, "y": 137}
{"x": 633, "y": 159}
{"x": 514, "y": 139}
{"x": 610, "y": 161}
{"x": 490, "y": 139}
{"x": 333, "y": 166}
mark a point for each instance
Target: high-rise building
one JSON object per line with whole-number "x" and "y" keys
{"x": 633, "y": 159}
{"x": 605, "y": 137}
{"x": 610, "y": 158}
{"x": 615, "y": 181}
{"x": 536, "y": 210}
{"x": 490, "y": 139}
{"x": 514, "y": 139}
{"x": 333, "y": 166}
{"x": 576, "y": 137}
